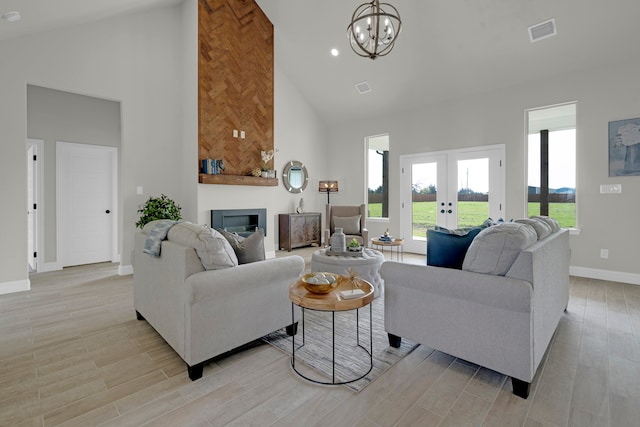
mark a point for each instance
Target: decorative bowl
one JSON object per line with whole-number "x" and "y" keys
{"x": 354, "y": 248}
{"x": 320, "y": 288}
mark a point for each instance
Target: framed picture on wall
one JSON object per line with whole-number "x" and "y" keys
{"x": 624, "y": 147}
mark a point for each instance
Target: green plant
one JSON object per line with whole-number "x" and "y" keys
{"x": 354, "y": 243}
{"x": 158, "y": 208}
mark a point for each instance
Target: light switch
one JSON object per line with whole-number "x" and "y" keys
{"x": 610, "y": 188}
{"x": 235, "y": 133}
{"x": 139, "y": 189}
{"x": 241, "y": 134}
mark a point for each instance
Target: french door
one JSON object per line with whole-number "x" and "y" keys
{"x": 452, "y": 189}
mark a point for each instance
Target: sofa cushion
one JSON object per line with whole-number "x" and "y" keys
{"x": 540, "y": 226}
{"x": 495, "y": 248}
{"x": 212, "y": 248}
{"x": 349, "y": 224}
{"x": 555, "y": 226}
{"x": 247, "y": 249}
{"x": 447, "y": 248}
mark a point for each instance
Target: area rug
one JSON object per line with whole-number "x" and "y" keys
{"x": 351, "y": 360}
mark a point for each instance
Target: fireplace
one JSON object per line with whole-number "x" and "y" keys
{"x": 241, "y": 221}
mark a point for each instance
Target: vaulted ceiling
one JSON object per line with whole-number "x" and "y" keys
{"x": 446, "y": 49}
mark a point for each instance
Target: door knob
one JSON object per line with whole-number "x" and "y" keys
{"x": 442, "y": 211}
{"x": 449, "y": 211}
{"x": 108, "y": 211}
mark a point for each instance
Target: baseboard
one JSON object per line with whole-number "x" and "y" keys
{"x": 614, "y": 276}
{"x": 15, "y": 286}
{"x": 49, "y": 266}
{"x": 125, "y": 270}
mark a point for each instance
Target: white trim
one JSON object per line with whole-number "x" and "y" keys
{"x": 125, "y": 270}
{"x": 16, "y": 286}
{"x": 613, "y": 276}
{"x": 49, "y": 266}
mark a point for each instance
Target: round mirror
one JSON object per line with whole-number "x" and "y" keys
{"x": 295, "y": 177}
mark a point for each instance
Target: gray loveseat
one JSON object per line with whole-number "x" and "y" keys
{"x": 502, "y": 320}
{"x": 205, "y": 313}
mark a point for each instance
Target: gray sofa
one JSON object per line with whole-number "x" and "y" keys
{"x": 205, "y": 313}
{"x": 503, "y": 322}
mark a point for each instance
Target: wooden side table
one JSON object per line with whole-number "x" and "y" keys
{"x": 332, "y": 302}
{"x": 395, "y": 243}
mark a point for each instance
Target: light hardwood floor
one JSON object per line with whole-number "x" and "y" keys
{"x": 72, "y": 353}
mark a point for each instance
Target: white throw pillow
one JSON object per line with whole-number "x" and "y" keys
{"x": 495, "y": 248}
{"x": 349, "y": 224}
{"x": 542, "y": 228}
{"x": 212, "y": 248}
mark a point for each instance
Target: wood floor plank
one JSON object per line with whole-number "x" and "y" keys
{"x": 73, "y": 354}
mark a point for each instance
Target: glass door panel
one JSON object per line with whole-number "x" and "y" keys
{"x": 473, "y": 192}
{"x": 424, "y": 190}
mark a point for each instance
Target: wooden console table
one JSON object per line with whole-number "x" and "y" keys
{"x": 298, "y": 230}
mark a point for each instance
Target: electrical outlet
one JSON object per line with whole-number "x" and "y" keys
{"x": 139, "y": 190}
{"x": 604, "y": 253}
{"x": 241, "y": 134}
{"x": 235, "y": 133}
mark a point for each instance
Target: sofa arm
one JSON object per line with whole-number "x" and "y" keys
{"x": 243, "y": 278}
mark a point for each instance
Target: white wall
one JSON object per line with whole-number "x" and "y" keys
{"x": 603, "y": 95}
{"x": 135, "y": 59}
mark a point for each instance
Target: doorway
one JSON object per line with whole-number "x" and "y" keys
{"x": 34, "y": 202}
{"x": 86, "y": 203}
{"x": 452, "y": 189}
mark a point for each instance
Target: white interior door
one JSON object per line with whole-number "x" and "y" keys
{"x": 456, "y": 188}
{"x": 86, "y": 203}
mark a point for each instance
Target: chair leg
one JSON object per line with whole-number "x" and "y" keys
{"x": 195, "y": 371}
{"x": 292, "y": 329}
{"x": 520, "y": 388}
{"x": 394, "y": 340}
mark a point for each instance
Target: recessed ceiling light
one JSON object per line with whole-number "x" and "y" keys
{"x": 335, "y": 52}
{"x": 12, "y": 16}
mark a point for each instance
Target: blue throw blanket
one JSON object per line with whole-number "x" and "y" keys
{"x": 157, "y": 234}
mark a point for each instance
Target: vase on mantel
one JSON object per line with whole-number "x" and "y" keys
{"x": 338, "y": 241}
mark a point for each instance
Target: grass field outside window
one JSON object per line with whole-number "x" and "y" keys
{"x": 424, "y": 214}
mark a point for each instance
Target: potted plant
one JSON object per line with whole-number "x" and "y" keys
{"x": 354, "y": 245}
{"x": 158, "y": 208}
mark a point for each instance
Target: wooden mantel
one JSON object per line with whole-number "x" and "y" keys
{"x": 237, "y": 180}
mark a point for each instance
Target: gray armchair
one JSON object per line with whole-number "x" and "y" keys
{"x": 352, "y": 219}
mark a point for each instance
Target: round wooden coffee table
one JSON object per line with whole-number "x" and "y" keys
{"x": 332, "y": 302}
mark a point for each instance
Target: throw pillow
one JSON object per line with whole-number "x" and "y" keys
{"x": 495, "y": 248}
{"x": 349, "y": 224}
{"x": 447, "y": 248}
{"x": 555, "y": 226}
{"x": 247, "y": 249}
{"x": 542, "y": 228}
{"x": 212, "y": 248}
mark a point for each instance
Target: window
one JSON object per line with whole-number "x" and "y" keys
{"x": 551, "y": 167}
{"x": 378, "y": 176}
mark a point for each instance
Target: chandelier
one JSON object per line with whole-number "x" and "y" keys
{"x": 373, "y": 30}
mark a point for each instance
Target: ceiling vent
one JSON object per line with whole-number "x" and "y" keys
{"x": 363, "y": 87}
{"x": 542, "y": 30}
